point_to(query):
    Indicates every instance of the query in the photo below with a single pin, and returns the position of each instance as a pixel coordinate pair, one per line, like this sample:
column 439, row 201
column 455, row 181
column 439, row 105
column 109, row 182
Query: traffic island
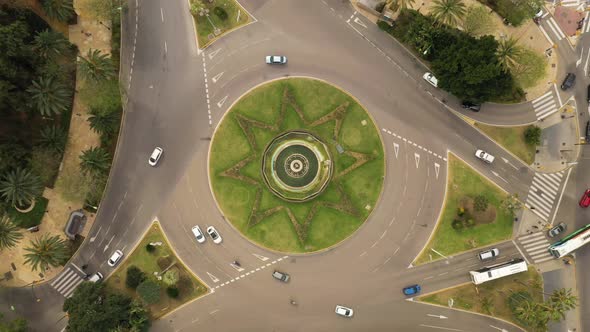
column 214, row 19
column 512, row 139
column 296, row 165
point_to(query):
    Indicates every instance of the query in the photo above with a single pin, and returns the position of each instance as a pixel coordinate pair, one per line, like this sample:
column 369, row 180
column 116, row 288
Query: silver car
column 276, row 59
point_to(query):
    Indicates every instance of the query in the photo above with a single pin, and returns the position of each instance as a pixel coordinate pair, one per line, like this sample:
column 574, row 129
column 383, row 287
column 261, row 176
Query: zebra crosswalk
column 543, row 193
column 67, row 281
column 535, row 245
column 545, row 105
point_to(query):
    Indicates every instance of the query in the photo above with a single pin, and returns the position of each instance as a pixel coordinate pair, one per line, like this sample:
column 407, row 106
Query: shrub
column 469, row 222
column 221, row 13
column 457, row 224
column 481, row 203
column 171, row 277
column 172, row 291
column 461, row 211
column 135, row 276
column 532, row 135
column 164, row 262
column 185, row 284
column 149, row 291
column 385, row 26
column 150, row 248
column 380, row 6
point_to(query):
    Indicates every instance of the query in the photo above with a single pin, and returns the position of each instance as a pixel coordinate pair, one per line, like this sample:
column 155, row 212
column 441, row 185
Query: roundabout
column 305, row 169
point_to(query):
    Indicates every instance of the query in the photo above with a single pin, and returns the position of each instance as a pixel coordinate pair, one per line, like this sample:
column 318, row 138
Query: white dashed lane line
column 243, row 276
column 423, row 148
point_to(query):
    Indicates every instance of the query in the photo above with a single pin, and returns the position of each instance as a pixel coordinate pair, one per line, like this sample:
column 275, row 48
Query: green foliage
column 515, row 12
column 20, row 187
column 197, row 7
column 50, row 96
column 171, row 277
column 457, row 224
column 31, row 218
column 96, row 66
column 562, row 300
column 15, row 325
column 384, row 26
column 150, row 248
column 469, row 222
column 102, row 97
column 401, row 4
column 102, row 10
column 449, row 12
column 164, row 262
column 480, row 203
column 487, row 305
column 508, row 53
column 221, row 13
column 96, row 188
column 9, row 234
column 532, row 135
column 92, row 308
column 12, row 155
column 185, row 285
column 380, row 6
column 61, row 10
column 139, row 317
column 46, row 251
column 53, row 138
column 149, row 291
column 531, row 68
column 95, row 160
column 105, row 124
column 48, row 44
column 45, row 163
column 172, row 291
column 135, row 276
column 478, row 21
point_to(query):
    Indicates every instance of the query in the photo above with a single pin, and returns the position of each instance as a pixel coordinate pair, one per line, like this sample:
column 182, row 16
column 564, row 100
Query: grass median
column 461, row 226
column 218, row 18
column 512, row 139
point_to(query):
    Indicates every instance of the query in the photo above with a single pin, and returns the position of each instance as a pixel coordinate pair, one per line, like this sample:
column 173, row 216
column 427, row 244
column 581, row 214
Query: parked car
column 344, row 311
column 412, row 290
column 556, row 230
column 281, row 276
column 588, row 94
column 588, row 131
column 488, row 158
column 471, row 106
column 155, row 156
column 198, row 234
column 488, row 254
column 276, row 59
column 568, row 82
column 430, row 78
column 585, row 200
column 95, row 277
column 214, row 235
column 115, row 258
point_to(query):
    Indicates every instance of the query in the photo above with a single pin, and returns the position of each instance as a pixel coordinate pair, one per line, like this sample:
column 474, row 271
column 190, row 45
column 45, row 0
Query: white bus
column 571, row 242
column 488, row 273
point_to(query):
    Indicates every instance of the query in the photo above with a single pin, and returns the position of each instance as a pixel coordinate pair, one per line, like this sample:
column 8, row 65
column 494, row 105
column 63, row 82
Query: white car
column 198, row 234
column 488, row 254
column 155, row 156
column 115, row 258
column 344, row 311
column 488, row 158
column 276, row 59
column 214, row 235
column 429, row 77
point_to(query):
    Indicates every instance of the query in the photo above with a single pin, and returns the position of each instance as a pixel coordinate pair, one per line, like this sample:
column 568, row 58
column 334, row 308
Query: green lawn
column 512, row 139
column 31, row 218
column 236, row 16
column 496, row 292
column 148, row 262
column 464, row 182
column 325, row 220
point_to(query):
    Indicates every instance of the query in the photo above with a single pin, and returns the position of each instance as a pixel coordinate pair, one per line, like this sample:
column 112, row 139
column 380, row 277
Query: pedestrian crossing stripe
column 543, row 193
column 66, row 282
column 545, row 105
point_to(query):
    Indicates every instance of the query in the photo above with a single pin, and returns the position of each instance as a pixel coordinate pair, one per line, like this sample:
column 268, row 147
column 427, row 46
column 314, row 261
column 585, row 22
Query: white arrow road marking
column 396, row 149
column 417, row 156
column 506, row 161
column 498, row 328
column 213, row 54
column 236, row 267
column 220, row 103
column 440, row 327
column 217, row 77
column 213, row 278
column 262, row 258
column 436, row 169
column 359, row 22
column 107, row 246
column 437, row 316
column 498, row 175
column 95, row 235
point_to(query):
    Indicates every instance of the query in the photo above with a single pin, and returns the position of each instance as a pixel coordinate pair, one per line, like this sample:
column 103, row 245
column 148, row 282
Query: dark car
column 568, row 82
column 585, row 200
column 556, row 230
column 588, row 132
column 412, row 290
column 588, row 94
column 471, row 106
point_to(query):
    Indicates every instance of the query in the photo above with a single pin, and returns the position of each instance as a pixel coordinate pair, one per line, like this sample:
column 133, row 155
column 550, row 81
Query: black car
column 588, row 94
column 471, row 106
column 588, row 132
column 569, row 81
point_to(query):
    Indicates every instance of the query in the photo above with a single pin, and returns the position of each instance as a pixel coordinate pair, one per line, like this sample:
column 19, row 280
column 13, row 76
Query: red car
column 585, row 200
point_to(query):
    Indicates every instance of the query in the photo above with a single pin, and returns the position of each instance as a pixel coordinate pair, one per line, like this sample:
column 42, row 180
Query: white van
column 95, row 277
column 488, row 254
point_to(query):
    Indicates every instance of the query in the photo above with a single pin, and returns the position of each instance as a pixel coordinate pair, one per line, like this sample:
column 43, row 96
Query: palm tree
column 96, row 66
column 508, row 53
column 103, row 123
column 563, row 300
column 53, row 138
column 61, row 10
column 527, row 312
column 449, row 12
column 50, row 96
column 95, row 159
column 48, row 43
column 487, row 305
column 401, row 4
column 20, row 187
column 46, row 251
column 9, row 233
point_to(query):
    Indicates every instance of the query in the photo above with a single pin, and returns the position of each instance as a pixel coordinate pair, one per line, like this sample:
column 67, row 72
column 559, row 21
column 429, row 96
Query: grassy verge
column 464, row 183
column 357, row 172
column 149, row 262
column 31, row 218
column 512, row 139
column 212, row 26
column 491, row 298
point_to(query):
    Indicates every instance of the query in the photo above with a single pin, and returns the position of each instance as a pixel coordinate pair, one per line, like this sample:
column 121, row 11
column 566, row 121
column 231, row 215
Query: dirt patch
column 480, row 217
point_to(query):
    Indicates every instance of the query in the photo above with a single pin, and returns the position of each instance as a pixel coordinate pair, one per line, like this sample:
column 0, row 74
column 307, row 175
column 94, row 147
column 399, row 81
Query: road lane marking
column 217, row 77
column 439, row 327
column 213, row 278
column 107, row 246
column 162, row 14
column 222, row 101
